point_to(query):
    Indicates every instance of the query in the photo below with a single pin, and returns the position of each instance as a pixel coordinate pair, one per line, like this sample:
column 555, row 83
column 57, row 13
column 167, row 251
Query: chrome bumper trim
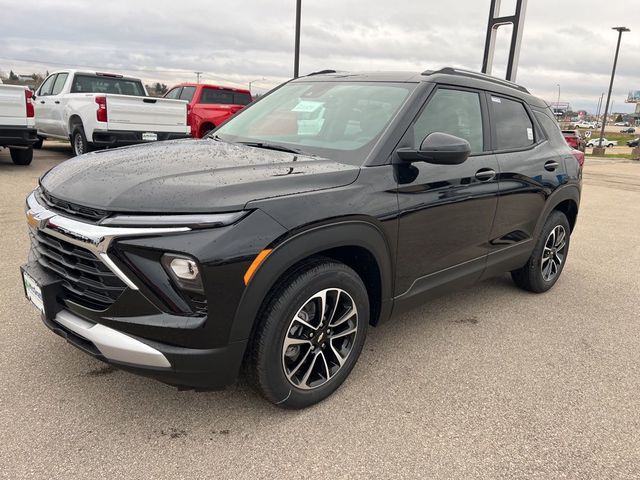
column 113, row 344
column 95, row 238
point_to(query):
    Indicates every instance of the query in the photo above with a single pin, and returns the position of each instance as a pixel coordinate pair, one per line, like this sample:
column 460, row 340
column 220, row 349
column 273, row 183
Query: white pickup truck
column 17, row 132
column 93, row 109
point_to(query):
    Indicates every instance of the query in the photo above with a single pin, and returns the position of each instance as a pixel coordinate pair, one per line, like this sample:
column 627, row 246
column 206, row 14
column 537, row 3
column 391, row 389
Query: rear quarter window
column 552, row 130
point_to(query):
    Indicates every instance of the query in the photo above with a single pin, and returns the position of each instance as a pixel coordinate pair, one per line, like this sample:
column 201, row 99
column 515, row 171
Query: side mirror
column 438, row 148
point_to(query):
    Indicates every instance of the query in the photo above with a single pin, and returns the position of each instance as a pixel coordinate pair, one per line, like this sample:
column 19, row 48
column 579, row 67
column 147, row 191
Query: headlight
column 184, row 271
column 195, row 220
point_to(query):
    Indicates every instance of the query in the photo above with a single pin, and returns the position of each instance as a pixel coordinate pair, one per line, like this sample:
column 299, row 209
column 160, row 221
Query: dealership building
column 634, row 97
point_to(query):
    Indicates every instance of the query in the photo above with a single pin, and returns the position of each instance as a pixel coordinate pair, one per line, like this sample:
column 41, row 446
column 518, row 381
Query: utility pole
column 198, row 76
column 621, row 30
column 599, row 107
column 296, row 54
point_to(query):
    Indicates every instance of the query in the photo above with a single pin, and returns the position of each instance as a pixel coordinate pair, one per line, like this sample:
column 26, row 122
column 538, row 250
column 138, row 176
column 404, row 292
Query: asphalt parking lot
column 489, row 382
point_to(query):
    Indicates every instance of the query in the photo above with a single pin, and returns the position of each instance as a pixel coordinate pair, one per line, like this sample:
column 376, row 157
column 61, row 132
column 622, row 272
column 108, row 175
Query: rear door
column 56, row 102
column 531, row 168
column 446, row 211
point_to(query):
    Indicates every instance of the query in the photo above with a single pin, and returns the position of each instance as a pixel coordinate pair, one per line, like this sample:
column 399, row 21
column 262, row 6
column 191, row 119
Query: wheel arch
column 74, row 120
column 566, row 200
column 359, row 244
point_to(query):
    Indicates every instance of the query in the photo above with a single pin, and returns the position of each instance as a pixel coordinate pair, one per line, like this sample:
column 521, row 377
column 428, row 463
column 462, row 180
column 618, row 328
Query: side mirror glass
column 438, row 148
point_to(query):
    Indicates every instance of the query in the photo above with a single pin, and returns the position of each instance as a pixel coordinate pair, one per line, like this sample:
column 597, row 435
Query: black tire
column 533, row 277
column 38, row 144
column 21, row 156
column 267, row 354
column 79, row 143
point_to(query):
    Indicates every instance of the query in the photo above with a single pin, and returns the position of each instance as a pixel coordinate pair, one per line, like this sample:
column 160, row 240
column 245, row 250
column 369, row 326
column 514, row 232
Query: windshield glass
column 336, row 120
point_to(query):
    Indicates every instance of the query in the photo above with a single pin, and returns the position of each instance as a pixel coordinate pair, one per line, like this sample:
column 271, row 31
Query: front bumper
column 18, row 136
column 117, row 138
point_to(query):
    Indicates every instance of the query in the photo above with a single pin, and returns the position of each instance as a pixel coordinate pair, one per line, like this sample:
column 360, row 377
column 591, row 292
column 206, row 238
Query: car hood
column 190, row 176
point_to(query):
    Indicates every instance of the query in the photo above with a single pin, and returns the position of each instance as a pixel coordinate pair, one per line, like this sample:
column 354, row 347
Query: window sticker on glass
column 530, row 133
column 307, row 106
column 496, row 99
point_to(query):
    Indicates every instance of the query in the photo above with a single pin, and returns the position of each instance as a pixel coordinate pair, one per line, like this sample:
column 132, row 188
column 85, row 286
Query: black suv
column 328, row 205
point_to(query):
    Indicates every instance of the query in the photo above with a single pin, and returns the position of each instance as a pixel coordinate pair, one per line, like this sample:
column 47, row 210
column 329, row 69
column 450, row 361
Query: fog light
column 184, row 268
column 184, row 271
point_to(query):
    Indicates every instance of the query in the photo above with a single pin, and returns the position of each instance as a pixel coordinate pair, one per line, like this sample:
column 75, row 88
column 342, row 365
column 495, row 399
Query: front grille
column 75, row 210
column 86, row 280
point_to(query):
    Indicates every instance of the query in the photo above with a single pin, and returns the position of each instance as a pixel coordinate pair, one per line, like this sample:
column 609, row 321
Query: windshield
column 336, row 120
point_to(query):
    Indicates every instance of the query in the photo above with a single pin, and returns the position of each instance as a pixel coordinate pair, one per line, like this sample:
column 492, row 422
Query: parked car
column 633, row 143
column 585, row 124
column 209, row 105
column 594, row 142
column 574, row 139
column 181, row 260
column 17, row 126
column 621, row 124
column 628, row 130
column 93, row 109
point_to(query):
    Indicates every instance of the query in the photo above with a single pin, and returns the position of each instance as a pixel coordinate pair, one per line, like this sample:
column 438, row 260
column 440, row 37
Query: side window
column 456, row 112
column 47, row 85
column 174, row 94
column 187, row 93
column 551, row 129
column 58, row 85
column 220, row 97
column 514, row 128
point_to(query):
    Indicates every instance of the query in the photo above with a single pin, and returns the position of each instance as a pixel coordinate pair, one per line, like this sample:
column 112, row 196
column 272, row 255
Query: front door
column 43, row 105
column 446, row 211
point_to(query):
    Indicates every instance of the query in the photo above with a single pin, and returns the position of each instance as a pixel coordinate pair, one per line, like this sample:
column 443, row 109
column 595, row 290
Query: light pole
column 620, row 30
column 198, row 76
column 296, row 53
column 558, row 102
column 598, row 110
column 253, row 81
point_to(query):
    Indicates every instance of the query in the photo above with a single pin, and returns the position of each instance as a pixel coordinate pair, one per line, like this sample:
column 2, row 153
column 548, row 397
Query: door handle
column 485, row 174
column 42, row 101
column 551, row 165
column 57, row 102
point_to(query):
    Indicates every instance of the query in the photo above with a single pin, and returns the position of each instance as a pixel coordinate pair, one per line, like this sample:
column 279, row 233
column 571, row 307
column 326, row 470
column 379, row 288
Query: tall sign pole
column 620, row 30
column 296, row 55
column 495, row 22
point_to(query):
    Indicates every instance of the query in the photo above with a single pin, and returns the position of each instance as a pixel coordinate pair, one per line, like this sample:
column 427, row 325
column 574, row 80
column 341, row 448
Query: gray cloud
column 234, row 42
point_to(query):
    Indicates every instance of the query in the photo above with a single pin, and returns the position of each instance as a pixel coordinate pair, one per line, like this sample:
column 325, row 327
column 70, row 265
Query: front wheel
column 21, row 156
column 310, row 334
column 548, row 258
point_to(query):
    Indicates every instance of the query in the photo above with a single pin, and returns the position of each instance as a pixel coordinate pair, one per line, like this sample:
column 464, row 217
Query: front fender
column 294, row 248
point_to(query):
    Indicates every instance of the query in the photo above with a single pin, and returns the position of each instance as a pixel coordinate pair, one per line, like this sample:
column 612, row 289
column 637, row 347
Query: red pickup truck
column 209, row 105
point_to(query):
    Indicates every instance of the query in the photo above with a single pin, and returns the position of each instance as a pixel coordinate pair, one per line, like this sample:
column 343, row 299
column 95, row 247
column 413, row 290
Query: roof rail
column 478, row 75
column 321, row 72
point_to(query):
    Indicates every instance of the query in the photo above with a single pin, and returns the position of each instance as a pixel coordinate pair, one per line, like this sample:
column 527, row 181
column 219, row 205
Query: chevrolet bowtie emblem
column 38, row 220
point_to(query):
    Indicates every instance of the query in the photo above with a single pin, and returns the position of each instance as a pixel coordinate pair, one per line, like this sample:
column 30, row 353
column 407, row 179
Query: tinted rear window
column 514, row 128
column 187, row 93
column 552, row 129
column 224, row 97
column 99, row 84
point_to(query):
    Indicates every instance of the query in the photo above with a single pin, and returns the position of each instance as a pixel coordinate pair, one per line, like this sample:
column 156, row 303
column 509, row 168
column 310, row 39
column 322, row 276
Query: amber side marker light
column 255, row 265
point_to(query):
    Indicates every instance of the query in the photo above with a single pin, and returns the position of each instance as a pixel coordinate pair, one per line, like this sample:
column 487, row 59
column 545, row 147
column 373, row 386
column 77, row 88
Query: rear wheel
column 21, row 156
column 548, row 258
column 310, row 334
column 79, row 143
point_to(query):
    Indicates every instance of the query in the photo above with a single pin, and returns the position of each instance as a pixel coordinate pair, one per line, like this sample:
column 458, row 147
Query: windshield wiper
column 275, row 146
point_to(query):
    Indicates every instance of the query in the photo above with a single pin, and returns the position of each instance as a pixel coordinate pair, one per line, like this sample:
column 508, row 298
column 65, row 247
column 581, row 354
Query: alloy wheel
column 78, row 144
column 554, row 253
column 320, row 338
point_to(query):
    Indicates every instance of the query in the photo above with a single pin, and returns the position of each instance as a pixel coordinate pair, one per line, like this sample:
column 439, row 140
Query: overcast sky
column 565, row 42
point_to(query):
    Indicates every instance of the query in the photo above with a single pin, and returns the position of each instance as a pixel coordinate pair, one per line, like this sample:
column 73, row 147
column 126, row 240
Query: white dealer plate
column 149, row 137
column 33, row 291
